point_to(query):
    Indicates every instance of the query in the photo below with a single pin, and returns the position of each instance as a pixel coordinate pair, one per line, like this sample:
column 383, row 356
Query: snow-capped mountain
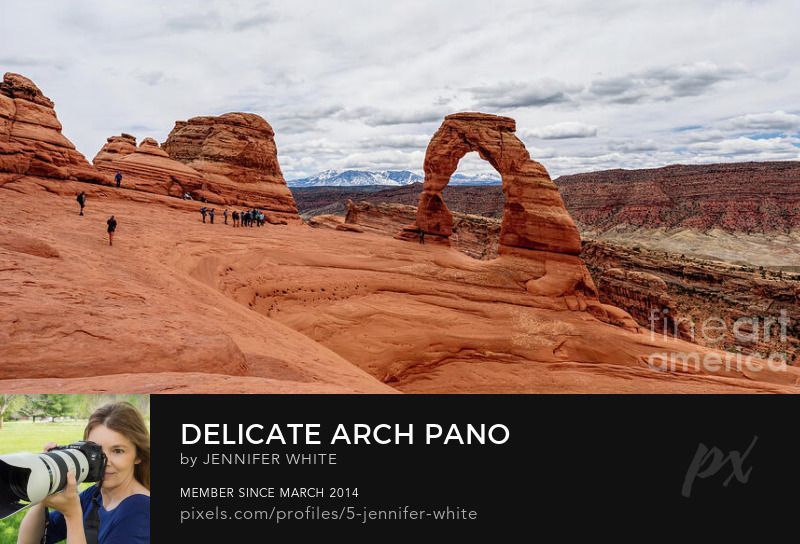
column 356, row 178
column 475, row 179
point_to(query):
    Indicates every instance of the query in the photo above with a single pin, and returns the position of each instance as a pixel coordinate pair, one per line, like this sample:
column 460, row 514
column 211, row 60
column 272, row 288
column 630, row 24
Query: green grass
column 16, row 436
column 27, row 436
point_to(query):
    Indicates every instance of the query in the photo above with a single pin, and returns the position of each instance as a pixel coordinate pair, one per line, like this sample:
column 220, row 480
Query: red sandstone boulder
column 31, row 142
column 238, row 159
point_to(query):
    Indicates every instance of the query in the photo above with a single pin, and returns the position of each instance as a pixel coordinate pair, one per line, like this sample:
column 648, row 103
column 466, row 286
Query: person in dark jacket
column 112, row 228
column 118, row 178
column 203, row 213
column 225, row 215
column 211, row 215
column 82, row 200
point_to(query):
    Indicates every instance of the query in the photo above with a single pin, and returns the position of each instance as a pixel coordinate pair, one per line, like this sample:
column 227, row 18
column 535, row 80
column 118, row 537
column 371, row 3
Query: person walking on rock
column 203, row 213
column 235, row 217
column 422, row 236
column 82, row 200
column 225, row 215
column 118, row 179
column 112, row 227
column 211, row 215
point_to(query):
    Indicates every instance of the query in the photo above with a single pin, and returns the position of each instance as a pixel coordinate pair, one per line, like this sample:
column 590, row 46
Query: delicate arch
column 534, row 216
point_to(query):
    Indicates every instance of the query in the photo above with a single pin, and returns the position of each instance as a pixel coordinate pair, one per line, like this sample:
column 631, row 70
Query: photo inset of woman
column 113, row 511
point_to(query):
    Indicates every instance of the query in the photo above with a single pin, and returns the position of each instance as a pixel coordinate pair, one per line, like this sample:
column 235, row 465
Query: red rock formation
column 685, row 293
column 201, row 308
column 116, row 147
column 534, row 216
column 535, row 224
column 737, row 197
column 31, row 142
column 473, row 235
column 149, row 168
column 237, row 156
column 486, row 201
column 643, row 295
column 325, row 221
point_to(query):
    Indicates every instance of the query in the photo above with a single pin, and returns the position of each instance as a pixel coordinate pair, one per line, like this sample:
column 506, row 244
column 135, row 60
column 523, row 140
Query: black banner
column 464, row 465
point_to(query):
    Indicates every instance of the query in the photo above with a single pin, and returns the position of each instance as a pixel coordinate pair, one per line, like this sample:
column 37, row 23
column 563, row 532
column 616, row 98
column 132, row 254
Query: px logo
column 708, row 462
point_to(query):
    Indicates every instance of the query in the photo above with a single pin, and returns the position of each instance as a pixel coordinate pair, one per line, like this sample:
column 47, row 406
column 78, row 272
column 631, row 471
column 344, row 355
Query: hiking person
column 225, row 215
column 118, row 179
column 235, row 216
column 211, row 215
column 82, row 200
column 203, row 213
column 112, row 227
column 421, row 236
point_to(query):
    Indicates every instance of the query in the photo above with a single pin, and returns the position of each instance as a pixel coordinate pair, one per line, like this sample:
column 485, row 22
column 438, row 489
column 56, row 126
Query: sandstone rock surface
column 473, row 235
column 115, row 147
column 238, row 159
column 535, row 224
column 31, row 142
column 201, row 308
column 534, row 216
column 148, row 168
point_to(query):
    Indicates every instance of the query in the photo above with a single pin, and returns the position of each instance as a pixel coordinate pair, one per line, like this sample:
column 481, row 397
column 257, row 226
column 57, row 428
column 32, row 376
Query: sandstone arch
column 534, row 216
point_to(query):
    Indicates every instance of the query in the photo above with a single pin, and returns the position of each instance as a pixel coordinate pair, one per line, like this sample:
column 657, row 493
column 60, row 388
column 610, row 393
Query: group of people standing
column 250, row 218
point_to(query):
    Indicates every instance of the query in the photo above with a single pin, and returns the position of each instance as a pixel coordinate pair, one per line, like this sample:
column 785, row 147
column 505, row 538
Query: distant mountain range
column 360, row 178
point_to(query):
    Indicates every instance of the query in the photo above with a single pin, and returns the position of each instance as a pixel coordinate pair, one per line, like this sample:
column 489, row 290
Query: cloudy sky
column 364, row 85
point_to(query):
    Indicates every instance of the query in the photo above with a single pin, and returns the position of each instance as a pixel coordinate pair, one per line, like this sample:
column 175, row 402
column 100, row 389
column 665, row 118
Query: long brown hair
column 123, row 418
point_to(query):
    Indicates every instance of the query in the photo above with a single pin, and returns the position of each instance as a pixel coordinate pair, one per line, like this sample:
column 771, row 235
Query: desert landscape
column 510, row 303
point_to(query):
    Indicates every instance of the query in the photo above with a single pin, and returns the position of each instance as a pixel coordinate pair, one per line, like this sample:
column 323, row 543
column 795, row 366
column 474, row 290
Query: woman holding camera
column 116, row 510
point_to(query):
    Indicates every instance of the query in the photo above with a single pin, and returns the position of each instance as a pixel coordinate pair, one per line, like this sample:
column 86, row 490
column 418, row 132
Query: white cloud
column 562, row 131
column 778, row 120
column 773, row 147
column 345, row 84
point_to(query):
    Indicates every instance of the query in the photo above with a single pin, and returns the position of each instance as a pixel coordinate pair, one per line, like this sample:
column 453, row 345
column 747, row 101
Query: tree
column 51, row 406
column 8, row 404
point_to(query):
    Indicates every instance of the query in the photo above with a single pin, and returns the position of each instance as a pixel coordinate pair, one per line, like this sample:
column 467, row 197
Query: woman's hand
column 68, row 501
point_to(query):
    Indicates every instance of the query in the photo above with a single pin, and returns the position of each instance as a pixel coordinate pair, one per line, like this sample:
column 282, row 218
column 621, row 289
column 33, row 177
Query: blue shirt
column 128, row 523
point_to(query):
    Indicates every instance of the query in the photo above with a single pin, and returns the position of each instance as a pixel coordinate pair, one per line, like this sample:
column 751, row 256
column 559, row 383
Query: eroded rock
column 534, row 216
column 238, row 159
column 31, row 142
column 148, row 168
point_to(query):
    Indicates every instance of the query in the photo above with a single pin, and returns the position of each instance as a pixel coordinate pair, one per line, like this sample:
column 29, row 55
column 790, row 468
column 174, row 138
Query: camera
column 31, row 477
